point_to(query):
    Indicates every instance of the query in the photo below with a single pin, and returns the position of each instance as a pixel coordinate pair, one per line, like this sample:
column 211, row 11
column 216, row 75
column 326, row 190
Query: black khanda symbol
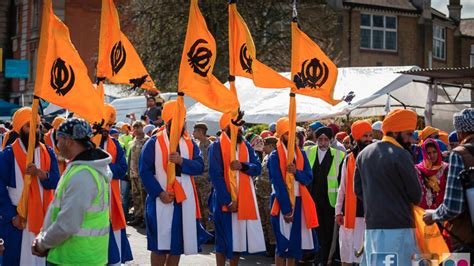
column 199, row 58
column 245, row 59
column 118, row 56
column 313, row 74
column 62, row 79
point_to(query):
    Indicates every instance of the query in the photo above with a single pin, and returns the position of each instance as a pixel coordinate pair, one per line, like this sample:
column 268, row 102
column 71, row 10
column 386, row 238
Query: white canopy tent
column 375, row 90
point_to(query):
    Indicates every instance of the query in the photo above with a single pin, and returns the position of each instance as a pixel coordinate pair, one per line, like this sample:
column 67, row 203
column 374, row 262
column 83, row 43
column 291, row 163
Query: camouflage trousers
column 203, row 188
column 264, row 210
column 138, row 197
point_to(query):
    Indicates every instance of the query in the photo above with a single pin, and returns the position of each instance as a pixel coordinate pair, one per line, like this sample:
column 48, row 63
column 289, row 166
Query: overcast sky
column 467, row 7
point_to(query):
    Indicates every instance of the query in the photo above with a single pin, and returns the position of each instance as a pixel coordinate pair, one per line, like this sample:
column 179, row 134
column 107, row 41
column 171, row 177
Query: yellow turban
column 21, row 117
column 399, row 120
column 428, row 131
column 110, row 114
column 282, row 126
column 225, row 120
column 58, row 120
column 169, row 108
column 359, row 128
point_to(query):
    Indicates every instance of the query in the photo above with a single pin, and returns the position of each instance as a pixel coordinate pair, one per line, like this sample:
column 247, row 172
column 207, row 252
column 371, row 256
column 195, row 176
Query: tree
column 157, row 28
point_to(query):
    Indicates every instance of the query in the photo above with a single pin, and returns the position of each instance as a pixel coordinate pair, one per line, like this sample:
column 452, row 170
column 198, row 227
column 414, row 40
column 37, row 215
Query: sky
column 467, row 10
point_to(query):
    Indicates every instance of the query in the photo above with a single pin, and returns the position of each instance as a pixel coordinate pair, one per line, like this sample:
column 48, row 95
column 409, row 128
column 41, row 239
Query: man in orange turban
column 17, row 232
column 386, row 181
column 350, row 209
column 172, row 206
column 292, row 217
column 235, row 206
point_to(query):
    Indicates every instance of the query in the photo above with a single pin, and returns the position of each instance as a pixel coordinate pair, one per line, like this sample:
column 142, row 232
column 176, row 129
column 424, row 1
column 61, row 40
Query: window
column 35, row 16
column 471, row 56
column 439, row 42
column 378, row 32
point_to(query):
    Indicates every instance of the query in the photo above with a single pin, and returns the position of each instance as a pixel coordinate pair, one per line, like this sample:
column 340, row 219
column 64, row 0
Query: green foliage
column 257, row 128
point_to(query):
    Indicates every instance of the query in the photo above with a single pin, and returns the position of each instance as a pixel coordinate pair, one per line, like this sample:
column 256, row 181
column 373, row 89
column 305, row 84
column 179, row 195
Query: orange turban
column 169, row 108
column 399, row 120
column 21, row 117
column 359, row 128
column 126, row 125
column 225, row 120
column 110, row 114
column 428, row 131
column 340, row 136
column 282, row 126
column 444, row 137
column 58, row 120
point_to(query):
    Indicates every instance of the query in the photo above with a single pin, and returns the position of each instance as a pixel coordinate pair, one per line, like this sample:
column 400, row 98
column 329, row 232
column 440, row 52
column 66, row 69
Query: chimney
column 454, row 8
column 424, row 6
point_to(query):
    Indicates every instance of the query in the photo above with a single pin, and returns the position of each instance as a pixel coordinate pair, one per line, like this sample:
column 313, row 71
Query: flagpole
column 22, row 207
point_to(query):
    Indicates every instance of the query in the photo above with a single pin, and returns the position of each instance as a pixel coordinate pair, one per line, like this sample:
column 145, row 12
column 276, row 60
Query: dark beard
column 24, row 137
column 239, row 135
column 405, row 145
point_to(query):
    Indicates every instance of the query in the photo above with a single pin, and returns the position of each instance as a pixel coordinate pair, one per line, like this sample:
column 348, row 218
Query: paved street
column 141, row 255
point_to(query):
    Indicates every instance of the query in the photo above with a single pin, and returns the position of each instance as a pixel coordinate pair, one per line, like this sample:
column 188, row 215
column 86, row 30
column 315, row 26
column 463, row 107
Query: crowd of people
column 346, row 195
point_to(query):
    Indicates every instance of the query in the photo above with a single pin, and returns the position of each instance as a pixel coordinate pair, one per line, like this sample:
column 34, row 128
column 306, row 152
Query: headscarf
column 429, row 169
column 377, row 126
column 110, row 114
column 169, row 108
column 315, row 125
column 324, row 130
column 225, row 120
column 20, row 118
column 453, row 137
column 464, row 120
column 335, row 128
column 359, row 128
column 57, row 121
column 399, row 120
column 77, row 129
column 341, row 136
column 256, row 142
column 427, row 132
column 272, row 127
column 282, row 126
column 266, row 133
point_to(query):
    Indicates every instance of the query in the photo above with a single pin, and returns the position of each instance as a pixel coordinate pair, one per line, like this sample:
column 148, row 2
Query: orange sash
column 307, row 203
column 116, row 211
column 36, row 208
column 246, row 206
column 350, row 206
column 48, row 140
column 176, row 187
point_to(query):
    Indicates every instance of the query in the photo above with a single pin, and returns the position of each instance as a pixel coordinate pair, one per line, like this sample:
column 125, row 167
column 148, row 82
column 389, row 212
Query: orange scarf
column 392, row 140
column 5, row 139
column 176, row 187
column 116, row 211
column 245, row 200
column 36, row 208
column 48, row 140
column 307, row 203
column 350, row 206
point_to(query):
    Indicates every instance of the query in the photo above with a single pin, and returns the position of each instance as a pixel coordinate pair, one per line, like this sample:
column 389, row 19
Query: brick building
column 404, row 32
column 19, row 37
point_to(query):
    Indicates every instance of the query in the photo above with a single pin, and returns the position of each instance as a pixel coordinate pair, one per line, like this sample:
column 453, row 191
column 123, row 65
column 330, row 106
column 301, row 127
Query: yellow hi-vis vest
column 89, row 246
column 338, row 157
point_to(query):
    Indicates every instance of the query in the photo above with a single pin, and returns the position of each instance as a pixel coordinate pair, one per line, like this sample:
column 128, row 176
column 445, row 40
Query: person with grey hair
column 454, row 207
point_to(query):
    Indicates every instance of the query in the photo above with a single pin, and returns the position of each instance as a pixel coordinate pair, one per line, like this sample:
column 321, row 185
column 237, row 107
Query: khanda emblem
column 118, row 56
column 313, row 74
column 199, row 57
column 62, row 78
column 245, row 59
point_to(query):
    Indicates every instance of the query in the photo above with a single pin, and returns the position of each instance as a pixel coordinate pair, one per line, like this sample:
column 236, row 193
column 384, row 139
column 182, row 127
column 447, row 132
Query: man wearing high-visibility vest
column 76, row 226
column 325, row 163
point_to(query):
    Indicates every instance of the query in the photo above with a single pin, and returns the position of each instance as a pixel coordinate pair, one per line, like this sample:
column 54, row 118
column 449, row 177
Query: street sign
column 17, row 68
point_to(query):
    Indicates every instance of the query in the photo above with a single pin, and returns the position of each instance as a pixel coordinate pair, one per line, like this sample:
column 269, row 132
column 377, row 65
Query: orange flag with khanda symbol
column 197, row 61
column 118, row 60
column 313, row 73
column 61, row 75
column 243, row 60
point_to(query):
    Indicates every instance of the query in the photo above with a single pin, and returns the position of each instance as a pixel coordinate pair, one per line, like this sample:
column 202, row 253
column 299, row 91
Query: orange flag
column 243, row 59
column 313, row 73
column 118, row 60
column 197, row 61
column 61, row 76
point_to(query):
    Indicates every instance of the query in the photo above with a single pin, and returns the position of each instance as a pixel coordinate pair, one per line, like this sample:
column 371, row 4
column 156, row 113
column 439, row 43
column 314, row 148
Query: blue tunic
column 194, row 167
column 10, row 234
column 289, row 248
column 119, row 170
column 221, row 197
